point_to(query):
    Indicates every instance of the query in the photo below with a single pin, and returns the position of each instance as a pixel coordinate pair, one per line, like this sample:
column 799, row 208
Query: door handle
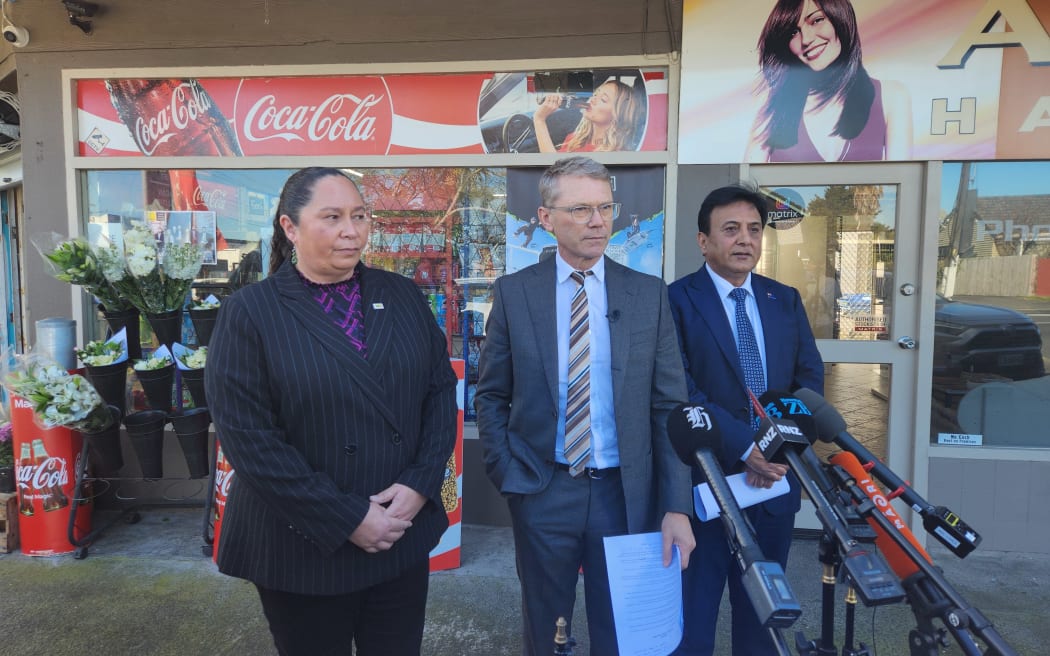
column 906, row 343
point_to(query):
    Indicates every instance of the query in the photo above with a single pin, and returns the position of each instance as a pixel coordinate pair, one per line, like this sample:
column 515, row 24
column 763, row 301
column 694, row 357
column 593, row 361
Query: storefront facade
column 433, row 110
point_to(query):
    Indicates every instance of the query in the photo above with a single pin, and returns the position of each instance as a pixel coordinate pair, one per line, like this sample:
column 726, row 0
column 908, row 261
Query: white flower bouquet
column 73, row 261
column 210, row 303
column 100, row 353
column 153, row 278
column 190, row 359
column 58, row 397
column 153, row 362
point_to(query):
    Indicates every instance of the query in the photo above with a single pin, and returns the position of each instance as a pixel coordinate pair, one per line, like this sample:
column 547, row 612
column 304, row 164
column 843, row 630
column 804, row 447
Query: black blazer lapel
column 704, row 296
column 309, row 315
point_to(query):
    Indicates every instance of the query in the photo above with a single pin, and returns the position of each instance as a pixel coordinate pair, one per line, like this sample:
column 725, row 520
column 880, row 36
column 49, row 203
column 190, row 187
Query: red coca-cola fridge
column 45, row 469
column 223, row 478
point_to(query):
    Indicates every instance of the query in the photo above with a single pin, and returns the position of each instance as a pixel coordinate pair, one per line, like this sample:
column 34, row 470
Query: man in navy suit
column 564, row 500
column 731, row 221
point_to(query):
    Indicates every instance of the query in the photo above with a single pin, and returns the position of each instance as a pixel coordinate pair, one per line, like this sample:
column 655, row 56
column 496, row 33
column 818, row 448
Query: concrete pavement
column 145, row 589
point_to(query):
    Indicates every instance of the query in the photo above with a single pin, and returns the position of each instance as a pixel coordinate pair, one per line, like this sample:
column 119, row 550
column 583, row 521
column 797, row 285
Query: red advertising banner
column 586, row 111
column 789, row 80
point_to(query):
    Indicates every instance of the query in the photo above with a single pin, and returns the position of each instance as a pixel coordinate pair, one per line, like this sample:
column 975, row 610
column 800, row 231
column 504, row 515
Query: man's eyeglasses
column 583, row 213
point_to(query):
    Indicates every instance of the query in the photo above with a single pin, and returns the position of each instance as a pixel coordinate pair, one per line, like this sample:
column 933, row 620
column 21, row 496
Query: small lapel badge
column 377, row 306
column 771, row 296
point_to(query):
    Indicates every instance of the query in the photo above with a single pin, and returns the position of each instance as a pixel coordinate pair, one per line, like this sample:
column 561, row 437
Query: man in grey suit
column 578, row 373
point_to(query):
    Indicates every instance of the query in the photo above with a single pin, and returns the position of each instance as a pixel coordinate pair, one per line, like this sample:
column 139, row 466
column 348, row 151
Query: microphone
column 780, row 440
column 613, row 316
column 939, row 521
column 902, row 564
column 696, row 440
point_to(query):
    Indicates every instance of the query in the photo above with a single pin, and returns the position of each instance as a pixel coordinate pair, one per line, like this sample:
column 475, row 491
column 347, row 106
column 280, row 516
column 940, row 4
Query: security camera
column 16, row 36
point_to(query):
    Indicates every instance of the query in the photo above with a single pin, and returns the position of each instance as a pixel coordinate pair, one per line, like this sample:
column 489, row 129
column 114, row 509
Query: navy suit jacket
column 312, row 429
column 712, row 363
column 517, row 394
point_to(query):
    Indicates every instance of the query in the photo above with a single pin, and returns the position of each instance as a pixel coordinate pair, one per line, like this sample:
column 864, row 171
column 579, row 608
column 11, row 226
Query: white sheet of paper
column 746, row 495
column 646, row 596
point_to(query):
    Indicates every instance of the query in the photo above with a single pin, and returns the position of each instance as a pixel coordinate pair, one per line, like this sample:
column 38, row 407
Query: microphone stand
column 863, row 568
column 829, row 556
column 929, row 593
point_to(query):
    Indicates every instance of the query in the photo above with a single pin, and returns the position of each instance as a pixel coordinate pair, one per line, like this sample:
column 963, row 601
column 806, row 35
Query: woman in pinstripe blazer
column 332, row 394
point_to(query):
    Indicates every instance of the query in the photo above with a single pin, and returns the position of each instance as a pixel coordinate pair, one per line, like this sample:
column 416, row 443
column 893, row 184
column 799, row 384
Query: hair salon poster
column 637, row 233
column 839, row 81
column 591, row 110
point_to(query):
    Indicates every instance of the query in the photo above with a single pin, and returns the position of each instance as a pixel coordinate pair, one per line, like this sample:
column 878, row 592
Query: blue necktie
column 747, row 347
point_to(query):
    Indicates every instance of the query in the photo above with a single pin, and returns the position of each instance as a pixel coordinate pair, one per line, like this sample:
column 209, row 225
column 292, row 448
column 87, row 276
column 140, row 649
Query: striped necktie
column 578, row 397
column 747, row 348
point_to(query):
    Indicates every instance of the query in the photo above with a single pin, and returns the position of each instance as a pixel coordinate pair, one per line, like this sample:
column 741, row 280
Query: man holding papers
column 739, row 332
column 579, row 371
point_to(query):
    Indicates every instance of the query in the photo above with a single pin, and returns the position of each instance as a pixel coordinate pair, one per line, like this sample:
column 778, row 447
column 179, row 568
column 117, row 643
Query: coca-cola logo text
column 213, row 200
column 340, row 117
column 49, row 474
column 188, row 102
column 223, row 477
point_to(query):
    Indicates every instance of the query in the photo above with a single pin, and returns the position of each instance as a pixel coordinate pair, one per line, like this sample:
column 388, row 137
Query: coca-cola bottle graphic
column 173, row 117
column 24, row 474
column 54, row 497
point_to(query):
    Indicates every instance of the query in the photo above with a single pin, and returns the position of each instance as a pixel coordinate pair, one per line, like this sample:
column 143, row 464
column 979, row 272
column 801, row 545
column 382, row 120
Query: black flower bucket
column 146, row 431
column 167, row 326
column 157, row 384
column 104, row 453
column 191, row 427
column 194, row 379
column 128, row 320
column 203, row 323
column 110, row 381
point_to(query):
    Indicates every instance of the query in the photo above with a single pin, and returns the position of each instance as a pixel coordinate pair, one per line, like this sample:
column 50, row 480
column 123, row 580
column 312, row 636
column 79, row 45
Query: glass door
column 849, row 237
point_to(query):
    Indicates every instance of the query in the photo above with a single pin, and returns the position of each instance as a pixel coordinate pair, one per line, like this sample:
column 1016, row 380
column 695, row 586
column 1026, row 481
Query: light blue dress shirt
column 724, row 287
column 604, row 449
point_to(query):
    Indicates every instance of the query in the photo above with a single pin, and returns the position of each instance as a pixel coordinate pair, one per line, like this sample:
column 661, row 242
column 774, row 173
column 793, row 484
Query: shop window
column 993, row 302
column 836, row 244
column 453, row 231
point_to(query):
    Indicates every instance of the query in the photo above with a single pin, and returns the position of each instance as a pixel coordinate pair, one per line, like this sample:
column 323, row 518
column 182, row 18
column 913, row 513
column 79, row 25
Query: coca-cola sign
column 188, row 103
column 404, row 114
column 50, row 473
column 217, row 197
column 324, row 116
column 223, row 478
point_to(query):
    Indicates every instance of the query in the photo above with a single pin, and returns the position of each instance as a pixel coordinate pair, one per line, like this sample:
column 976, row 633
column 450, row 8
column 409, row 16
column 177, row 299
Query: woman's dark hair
column 297, row 192
column 727, row 196
column 788, row 81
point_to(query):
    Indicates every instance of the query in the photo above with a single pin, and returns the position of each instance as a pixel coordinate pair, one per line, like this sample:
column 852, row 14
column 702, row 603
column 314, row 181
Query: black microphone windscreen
column 829, row 422
column 689, row 428
column 788, row 406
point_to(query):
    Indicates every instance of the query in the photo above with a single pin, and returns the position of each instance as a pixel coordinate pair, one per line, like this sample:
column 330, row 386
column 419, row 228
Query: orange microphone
column 900, row 562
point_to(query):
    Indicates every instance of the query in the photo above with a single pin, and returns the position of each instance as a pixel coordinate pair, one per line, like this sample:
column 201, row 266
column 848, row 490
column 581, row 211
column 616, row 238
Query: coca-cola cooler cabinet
column 446, row 555
column 46, row 462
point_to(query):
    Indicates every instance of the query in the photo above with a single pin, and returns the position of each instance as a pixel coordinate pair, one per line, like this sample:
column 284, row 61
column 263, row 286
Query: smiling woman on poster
column 821, row 104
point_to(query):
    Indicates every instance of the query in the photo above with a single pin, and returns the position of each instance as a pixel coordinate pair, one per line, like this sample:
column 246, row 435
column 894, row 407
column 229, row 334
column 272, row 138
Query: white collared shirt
column 724, row 288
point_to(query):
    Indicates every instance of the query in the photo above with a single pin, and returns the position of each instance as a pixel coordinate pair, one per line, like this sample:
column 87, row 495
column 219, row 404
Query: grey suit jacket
column 517, row 394
column 312, row 429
